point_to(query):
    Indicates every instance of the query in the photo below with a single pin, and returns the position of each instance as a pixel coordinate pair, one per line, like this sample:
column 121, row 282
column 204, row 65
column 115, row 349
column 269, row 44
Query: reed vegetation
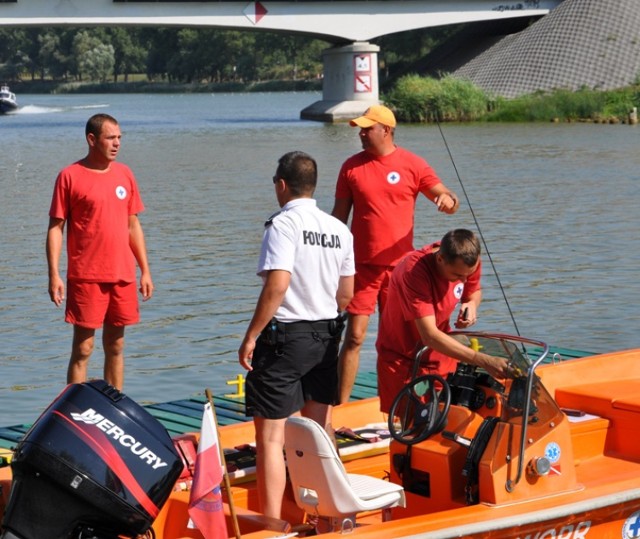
column 425, row 99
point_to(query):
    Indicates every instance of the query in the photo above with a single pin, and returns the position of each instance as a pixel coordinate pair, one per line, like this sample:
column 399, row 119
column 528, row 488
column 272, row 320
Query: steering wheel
column 421, row 409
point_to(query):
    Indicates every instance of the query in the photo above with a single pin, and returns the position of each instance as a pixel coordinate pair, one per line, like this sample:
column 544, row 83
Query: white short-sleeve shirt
column 317, row 249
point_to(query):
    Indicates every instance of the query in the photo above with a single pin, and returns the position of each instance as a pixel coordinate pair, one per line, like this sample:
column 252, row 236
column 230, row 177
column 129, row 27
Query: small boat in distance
column 8, row 101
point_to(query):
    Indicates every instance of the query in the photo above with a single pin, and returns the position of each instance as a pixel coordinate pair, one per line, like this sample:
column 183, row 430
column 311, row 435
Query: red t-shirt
column 384, row 191
column 416, row 290
column 97, row 206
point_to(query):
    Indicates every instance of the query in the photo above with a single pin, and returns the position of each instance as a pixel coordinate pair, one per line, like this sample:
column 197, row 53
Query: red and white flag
column 205, row 501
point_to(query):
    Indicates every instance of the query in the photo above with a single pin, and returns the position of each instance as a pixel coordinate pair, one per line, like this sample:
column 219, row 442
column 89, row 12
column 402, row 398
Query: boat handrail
column 510, row 485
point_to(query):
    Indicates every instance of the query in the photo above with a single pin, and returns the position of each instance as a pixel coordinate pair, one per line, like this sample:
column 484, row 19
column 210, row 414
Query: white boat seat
column 321, row 485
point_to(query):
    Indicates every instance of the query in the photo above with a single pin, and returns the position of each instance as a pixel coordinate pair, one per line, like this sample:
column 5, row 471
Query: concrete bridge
column 350, row 82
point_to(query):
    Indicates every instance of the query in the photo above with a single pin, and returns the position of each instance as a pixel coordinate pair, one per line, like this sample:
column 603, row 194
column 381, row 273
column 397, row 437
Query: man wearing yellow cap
column 381, row 184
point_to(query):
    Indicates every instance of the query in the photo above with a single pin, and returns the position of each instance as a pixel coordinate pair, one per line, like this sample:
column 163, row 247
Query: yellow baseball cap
column 376, row 114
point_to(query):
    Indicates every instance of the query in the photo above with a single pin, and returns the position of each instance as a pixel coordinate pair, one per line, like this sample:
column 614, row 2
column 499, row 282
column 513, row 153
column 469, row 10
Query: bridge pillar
column 350, row 83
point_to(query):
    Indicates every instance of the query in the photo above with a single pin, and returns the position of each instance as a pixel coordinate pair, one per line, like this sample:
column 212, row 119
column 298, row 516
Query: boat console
column 472, row 439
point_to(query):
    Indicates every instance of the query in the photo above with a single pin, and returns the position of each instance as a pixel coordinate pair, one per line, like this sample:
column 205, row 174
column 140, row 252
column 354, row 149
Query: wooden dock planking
column 185, row 415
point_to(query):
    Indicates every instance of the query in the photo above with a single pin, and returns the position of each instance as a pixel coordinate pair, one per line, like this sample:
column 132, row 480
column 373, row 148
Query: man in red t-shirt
column 424, row 290
column 99, row 200
column 381, row 184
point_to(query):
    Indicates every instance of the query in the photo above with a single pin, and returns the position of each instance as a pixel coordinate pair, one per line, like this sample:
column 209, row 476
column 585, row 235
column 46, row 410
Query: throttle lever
column 466, row 442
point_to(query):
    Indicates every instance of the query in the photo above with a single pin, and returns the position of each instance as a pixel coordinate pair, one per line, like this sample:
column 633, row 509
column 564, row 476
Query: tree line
column 181, row 55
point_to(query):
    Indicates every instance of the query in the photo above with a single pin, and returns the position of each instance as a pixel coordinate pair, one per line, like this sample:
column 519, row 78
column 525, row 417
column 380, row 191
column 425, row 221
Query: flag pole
column 227, row 482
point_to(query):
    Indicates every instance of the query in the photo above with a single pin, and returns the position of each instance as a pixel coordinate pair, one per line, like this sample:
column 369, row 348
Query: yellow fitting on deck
column 475, row 344
column 239, row 381
column 5, row 457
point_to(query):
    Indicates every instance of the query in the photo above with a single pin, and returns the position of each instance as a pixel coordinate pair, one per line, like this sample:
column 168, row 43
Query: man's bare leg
column 270, row 467
column 349, row 358
column 81, row 349
column 113, row 344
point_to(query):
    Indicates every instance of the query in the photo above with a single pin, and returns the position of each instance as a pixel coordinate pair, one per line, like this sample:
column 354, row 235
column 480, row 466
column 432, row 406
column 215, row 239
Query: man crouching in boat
column 291, row 345
column 424, row 290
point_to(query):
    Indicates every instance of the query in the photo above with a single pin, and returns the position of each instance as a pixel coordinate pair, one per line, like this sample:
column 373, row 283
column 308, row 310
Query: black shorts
column 290, row 368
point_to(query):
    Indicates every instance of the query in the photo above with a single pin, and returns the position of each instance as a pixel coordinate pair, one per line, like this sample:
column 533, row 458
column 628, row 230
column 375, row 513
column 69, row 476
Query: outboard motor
column 95, row 465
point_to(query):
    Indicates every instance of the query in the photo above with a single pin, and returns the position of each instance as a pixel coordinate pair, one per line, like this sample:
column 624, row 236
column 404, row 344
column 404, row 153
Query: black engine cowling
column 94, row 464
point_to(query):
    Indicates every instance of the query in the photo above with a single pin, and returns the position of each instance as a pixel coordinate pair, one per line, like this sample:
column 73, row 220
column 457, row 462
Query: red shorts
column 91, row 305
column 370, row 289
column 394, row 373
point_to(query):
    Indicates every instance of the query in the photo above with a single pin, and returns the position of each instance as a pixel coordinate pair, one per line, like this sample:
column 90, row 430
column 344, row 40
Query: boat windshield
column 524, row 396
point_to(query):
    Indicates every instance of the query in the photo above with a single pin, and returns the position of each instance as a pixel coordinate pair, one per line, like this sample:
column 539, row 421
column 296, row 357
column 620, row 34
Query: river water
column 557, row 205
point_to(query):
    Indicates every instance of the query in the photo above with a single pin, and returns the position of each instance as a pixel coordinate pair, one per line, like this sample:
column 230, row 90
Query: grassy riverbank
column 148, row 87
column 420, row 99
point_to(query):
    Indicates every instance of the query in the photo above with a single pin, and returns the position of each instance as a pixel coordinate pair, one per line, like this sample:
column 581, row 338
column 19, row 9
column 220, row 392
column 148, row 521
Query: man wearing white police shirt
column 291, row 345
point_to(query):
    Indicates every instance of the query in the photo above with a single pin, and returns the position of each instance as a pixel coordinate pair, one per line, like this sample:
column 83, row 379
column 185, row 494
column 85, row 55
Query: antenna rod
column 473, row 214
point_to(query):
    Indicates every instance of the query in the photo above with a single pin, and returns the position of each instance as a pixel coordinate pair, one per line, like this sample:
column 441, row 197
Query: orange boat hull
column 593, row 492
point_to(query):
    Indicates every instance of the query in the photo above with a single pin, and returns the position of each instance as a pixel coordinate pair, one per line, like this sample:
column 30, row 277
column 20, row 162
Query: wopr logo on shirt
column 393, row 177
column 121, row 192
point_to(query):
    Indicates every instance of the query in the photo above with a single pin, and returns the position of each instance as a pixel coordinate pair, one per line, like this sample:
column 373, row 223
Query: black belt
column 304, row 326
